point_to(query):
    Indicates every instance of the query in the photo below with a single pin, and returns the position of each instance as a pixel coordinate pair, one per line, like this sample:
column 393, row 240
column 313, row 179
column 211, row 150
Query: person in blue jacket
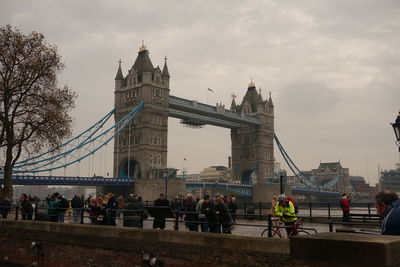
column 387, row 204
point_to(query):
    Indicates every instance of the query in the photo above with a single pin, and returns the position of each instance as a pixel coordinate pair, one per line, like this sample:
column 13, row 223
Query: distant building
column 328, row 171
column 390, row 179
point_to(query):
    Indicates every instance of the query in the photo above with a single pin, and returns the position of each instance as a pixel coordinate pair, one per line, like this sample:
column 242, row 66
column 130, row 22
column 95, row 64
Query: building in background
column 390, row 179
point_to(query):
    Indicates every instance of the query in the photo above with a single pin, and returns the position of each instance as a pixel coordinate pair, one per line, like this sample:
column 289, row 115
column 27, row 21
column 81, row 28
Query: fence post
column 329, row 211
column 310, row 211
column 259, row 207
column 330, row 226
column 369, row 209
column 269, row 225
column 16, row 212
column 176, row 227
column 245, row 210
column 82, row 211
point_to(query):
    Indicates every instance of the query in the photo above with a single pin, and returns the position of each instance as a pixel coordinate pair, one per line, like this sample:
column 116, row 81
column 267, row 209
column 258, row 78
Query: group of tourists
column 211, row 215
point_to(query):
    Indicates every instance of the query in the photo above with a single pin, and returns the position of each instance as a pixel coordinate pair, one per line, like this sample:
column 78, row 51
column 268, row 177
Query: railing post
column 330, row 226
column 369, row 209
column 82, row 211
column 176, row 227
column 310, row 211
column 329, row 211
column 245, row 210
column 16, row 212
column 269, row 225
column 259, row 207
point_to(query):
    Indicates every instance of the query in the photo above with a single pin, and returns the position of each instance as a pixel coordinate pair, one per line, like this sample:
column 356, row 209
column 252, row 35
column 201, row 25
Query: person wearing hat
column 285, row 210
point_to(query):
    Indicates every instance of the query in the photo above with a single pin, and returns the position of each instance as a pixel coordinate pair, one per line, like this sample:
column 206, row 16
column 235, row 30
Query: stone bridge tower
column 141, row 149
column 253, row 147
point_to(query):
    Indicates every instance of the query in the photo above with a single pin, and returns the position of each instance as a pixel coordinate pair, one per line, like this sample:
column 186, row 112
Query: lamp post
column 396, row 128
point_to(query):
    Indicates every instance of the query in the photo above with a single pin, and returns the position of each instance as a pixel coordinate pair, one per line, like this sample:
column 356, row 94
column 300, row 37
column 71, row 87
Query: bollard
column 330, row 226
column 329, row 211
column 16, row 212
column 310, row 211
column 82, row 211
column 269, row 225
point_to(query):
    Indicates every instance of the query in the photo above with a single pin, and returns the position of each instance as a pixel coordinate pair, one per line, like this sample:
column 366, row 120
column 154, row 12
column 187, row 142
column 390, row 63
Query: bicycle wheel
column 302, row 232
column 264, row 233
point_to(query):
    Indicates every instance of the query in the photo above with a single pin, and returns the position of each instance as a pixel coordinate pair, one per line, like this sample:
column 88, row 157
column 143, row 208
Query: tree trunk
column 7, row 188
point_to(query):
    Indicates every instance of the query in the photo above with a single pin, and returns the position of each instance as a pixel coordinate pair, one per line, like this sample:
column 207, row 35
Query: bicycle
column 296, row 231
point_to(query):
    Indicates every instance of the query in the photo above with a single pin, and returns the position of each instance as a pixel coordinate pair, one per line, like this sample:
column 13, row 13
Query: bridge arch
column 129, row 168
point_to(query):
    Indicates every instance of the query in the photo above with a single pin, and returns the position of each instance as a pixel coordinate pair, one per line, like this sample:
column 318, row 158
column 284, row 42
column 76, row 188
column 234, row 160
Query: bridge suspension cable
column 90, row 145
column 301, row 176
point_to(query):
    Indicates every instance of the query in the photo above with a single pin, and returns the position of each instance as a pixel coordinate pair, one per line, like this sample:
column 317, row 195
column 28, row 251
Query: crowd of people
column 214, row 215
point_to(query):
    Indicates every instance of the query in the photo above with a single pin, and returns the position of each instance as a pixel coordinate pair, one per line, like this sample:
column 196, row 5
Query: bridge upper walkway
column 68, row 180
column 193, row 112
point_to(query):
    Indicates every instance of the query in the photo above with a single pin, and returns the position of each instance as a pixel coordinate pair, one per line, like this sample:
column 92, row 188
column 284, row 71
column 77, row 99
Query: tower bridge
column 142, row 106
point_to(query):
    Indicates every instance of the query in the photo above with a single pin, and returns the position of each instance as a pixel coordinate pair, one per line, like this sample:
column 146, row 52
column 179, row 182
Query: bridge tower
column 252, row 147
column 142, row 147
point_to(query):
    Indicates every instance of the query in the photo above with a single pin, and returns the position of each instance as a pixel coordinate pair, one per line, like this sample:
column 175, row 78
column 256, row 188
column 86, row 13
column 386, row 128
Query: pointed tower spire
column 165, row 72
column 233, row 104
column 119, row 75
column 259, row 95
column 270, row 100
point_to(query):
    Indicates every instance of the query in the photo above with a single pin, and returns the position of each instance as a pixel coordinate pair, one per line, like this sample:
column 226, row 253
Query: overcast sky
column 333, row 68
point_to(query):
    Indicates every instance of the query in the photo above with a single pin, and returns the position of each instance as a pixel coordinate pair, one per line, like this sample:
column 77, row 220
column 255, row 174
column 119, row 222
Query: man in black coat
column 159, row 221
column 208, row 209
column 76, row 205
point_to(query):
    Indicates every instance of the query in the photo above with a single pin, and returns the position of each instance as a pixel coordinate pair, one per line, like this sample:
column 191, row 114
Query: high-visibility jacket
column 286, row 212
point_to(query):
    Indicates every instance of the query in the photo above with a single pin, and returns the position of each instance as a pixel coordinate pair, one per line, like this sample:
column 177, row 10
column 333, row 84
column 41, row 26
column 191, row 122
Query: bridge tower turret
column 141, row 148
column 252, row 147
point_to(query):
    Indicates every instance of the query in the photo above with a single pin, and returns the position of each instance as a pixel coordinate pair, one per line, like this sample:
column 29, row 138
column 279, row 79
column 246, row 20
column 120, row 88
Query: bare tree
column 33, row 108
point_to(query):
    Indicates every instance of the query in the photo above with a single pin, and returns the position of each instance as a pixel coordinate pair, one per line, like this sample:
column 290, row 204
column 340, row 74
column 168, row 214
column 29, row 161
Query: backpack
column 64, row 204
column 296, row 209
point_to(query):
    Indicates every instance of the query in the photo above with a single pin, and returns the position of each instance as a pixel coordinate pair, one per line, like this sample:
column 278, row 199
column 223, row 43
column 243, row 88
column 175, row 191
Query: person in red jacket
column 344, row 204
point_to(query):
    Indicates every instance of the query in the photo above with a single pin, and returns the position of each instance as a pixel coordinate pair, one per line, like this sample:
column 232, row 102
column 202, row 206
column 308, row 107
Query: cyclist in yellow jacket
column 285, row 210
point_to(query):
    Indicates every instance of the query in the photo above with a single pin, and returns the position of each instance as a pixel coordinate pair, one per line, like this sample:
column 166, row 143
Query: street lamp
column 396, row 128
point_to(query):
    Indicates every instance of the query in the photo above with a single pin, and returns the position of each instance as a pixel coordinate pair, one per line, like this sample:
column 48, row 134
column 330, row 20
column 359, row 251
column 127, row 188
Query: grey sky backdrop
column 333, row 68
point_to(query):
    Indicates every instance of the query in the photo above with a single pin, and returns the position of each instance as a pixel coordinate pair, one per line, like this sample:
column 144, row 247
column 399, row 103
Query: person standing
column 344, row 204
column 208, row 209
column 132, row 213
column 233, row 208
column 223, row 216
column 63, row 205
column 111, row 208
column 76, row 205
column 26, row 207
column 159, row 221
column 387, row 205
column 52, row 208
column 190, row 215
column 273, row 205
column 5, row 207
column 202, row 217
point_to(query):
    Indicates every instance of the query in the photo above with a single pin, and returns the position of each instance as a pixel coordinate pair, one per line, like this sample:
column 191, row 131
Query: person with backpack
column 296, row 209
column 285, row 210
column 26, row 207
column 345, row 205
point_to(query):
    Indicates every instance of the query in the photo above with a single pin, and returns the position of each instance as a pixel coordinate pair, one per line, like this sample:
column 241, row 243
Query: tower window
column 139, row 78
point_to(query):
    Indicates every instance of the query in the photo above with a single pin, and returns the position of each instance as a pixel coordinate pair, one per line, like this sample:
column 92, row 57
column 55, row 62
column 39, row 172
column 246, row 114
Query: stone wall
column 91, row 245
column 88, row 245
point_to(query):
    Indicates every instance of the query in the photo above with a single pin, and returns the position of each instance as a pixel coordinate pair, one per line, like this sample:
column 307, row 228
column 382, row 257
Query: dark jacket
column 210, row 213
column 190, row 212
column 5, row 206
column 224, row 217
column 232, row 207
column 112, row 207
column 76, row 203
column 26, row 207
column 159, row 221
column 391, row 219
